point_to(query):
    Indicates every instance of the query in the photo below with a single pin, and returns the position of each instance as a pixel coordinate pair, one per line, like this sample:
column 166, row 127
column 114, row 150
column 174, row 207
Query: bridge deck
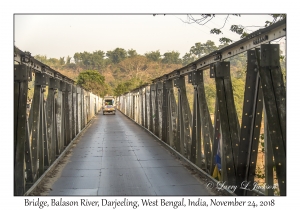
column 114, row 156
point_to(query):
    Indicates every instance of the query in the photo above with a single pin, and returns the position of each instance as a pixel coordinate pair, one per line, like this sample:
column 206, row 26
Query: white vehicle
column 109, row 105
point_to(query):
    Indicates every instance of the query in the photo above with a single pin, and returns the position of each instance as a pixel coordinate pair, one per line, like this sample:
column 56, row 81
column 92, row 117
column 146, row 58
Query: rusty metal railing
column 48, row 120
column 164, row 108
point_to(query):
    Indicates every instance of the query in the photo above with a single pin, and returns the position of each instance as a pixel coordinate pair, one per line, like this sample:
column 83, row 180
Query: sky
column 63, row 35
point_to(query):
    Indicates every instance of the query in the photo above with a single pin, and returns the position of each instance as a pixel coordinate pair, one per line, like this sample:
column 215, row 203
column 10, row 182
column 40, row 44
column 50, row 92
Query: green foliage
column 188, row 58
column 127, row 86
column 134, row 66
column 62, row 61
column 237, row 29
column 201, row 49
column 276, row 17
column 117, row 55
column 53, row 62
column 41, row 58
column 225, row 40
column 215, row 31
column 171, row 57
column 238, row 86
column 92, row 80
column 132, row 53
column 93, row 60
column 153, row 56
column 244, row 35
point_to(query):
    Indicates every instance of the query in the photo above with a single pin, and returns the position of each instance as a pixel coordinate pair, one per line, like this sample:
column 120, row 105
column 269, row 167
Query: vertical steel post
column 194, row 78
column 21, row 75
column 67, row 108
column 74, row 111
column 142, row 110
column 275, row 105
column 184, row 118
column 152, row 107
column 229, row 121
column 147, row 107
column 217, row 137
column 269, row 163
column 206, row 124
column 251, row 123
column 41, row 81
column 165, row 114
column 158, row 109
column 172, row 114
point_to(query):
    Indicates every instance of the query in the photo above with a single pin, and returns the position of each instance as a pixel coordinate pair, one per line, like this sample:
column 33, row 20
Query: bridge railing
column 50, row 110
column 226, row 146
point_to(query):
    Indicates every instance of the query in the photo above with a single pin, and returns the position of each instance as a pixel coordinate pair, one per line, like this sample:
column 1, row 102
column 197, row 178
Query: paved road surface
column 115, row 157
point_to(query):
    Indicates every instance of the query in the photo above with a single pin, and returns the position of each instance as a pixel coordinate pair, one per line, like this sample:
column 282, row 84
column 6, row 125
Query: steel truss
column 193, row 134
column 42, row 132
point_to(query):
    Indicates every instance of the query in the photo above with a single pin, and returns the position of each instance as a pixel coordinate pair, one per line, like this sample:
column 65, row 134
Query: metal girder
column 251, row 124
column 184, row 120
column 42, row 139
column 20, row 131
column 206, row 124
column 142, row 94
column 158, row 109
column 217, row 136
column 269, row 175
column 275, row 106
column 36, row 66
column 147, row 107
column 229, row 123
column 201, row 124
column 41, row 79
column 42, row 130
column 165, row 113
column 22, row 73
column 74, row 111
column 59, row 122
column 152, row 107
column 196, row 129
column 238, row 145
column 262, row 36
column 171, row 115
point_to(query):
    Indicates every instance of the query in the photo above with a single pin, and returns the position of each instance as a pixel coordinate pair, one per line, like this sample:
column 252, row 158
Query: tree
column 93, row 60
column 134, row 66
column 131, row 53
column 238, row 29
column 188, row 58
column 153, row 56
column 97, row 59
column 68, row 60
column 127, row 86
column 41, row 58
column 77, row 58
column 117, row 55
column 171, row 57
column 92, row 80
column 62, row 61
column 200, row 49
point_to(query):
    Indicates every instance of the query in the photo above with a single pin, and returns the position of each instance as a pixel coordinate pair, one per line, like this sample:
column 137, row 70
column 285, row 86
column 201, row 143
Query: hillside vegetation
column 118, row 71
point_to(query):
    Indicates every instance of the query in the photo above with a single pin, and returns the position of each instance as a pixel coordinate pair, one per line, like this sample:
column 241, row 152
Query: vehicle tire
column 103, row 113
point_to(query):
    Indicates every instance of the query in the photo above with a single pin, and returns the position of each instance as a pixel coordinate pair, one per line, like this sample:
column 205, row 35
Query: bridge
column 159, row 142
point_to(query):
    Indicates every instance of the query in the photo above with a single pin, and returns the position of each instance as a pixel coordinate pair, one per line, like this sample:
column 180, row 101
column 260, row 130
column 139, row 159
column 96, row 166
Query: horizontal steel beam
column 37, row 66
column 255, row 39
